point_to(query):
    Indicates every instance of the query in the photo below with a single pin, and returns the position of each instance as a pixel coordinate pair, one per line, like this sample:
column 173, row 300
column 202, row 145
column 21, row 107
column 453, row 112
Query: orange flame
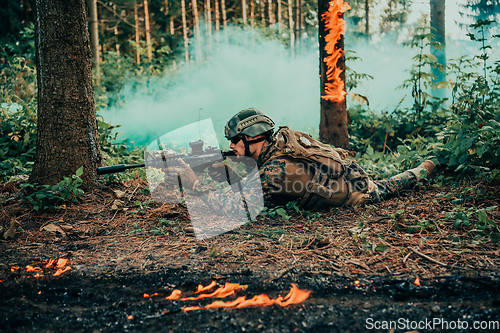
column 228, row 290
column 295, row 296
column 417, row 281
column 334, row 88
column 62, row 270
column 50, row 263
column 176, row 294
column 210, row 286
column 60, row 265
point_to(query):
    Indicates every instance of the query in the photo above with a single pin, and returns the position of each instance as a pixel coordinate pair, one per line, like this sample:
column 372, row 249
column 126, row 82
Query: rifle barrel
column 118, row 168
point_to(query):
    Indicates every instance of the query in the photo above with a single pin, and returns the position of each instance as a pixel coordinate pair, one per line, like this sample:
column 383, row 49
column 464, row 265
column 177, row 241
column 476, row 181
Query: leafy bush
column 44, row 197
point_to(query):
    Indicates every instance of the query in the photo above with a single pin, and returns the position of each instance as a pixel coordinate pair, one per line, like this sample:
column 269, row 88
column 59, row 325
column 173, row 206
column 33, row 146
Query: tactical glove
column 182, row 171
column 221, row 172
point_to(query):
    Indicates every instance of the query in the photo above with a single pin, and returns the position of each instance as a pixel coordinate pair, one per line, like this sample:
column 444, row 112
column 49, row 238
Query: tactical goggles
column 235, row 140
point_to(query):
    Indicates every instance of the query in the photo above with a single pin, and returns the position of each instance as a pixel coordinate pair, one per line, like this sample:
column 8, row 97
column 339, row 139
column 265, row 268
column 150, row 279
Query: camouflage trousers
column 391, row 187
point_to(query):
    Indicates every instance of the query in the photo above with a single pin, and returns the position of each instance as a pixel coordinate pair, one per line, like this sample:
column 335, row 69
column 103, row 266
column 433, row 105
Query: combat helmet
column 251, row 122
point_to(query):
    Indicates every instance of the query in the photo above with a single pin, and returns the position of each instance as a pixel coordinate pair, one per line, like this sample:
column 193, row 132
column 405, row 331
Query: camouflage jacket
column 271, row 173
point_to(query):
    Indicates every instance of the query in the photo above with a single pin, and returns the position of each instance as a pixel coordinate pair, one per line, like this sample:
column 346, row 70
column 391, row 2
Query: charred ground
column 359, row 263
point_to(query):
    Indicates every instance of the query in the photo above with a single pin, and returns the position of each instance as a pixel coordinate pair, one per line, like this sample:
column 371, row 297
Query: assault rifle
column 198, row 159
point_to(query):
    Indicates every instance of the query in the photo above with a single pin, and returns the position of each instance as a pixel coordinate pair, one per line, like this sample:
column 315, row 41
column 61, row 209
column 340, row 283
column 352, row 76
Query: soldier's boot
column 424, row 170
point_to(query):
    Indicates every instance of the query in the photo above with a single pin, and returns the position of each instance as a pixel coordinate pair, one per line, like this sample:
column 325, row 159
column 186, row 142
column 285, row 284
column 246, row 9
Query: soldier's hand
column 221, row 172
column 182, row 171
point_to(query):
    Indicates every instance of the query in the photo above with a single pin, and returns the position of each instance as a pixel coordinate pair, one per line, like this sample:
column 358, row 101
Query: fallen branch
column 428, row 258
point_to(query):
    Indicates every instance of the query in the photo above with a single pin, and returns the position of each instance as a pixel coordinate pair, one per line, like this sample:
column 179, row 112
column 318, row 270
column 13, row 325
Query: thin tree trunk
column 115, row 31
column 279, row 16
column 262, row 12
column 208, row 10
column 184, row 32
column 438, row 23
column 148, row 32
column 67, row 136
column 290, row 22
column 252, row 12
column 367, row 18
column 94, row 36
column 224, row 19
column 217, row 22
column 172, row 28
column 270, row 12
column 333, row 119
column 197, row 30
column 137, row 37
column 297, row 26
column 244, row 11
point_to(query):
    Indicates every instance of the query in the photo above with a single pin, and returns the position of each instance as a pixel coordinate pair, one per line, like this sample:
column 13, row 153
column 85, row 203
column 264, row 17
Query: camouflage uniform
column 272, row 173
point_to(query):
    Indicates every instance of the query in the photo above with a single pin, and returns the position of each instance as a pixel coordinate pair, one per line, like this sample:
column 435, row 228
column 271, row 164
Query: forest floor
column 402, row 265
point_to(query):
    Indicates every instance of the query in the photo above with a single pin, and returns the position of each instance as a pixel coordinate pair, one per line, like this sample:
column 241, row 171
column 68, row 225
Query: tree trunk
column 196, row 20
column 279, row 16
column 94, row 36
column 270, row 12
column 290, row 22
column 148, row 32
column 262, row 12
column 252, row 12
column 367, row 18
column 184, row 32
column 115, row 31
column 67, row 135
column 217, row 22
column 224, row 19
column 244, row 11
column 297, row 25
column 438, row 25
column 137, row 37
column 333, row 119
column 208, row 10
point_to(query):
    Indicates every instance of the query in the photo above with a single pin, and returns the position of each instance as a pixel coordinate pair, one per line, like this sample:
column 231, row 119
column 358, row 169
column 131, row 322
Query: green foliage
column 46, row 197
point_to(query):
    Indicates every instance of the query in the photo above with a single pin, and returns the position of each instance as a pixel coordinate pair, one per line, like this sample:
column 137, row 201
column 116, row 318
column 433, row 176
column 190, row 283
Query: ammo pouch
column 333, row 179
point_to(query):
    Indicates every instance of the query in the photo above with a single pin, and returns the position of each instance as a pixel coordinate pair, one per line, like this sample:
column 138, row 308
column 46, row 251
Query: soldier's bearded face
column 239, row 148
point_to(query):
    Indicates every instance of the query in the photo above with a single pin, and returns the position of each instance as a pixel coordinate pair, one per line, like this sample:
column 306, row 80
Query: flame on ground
column 335, row 24
column 228, row 290
column 60, row 265
column 210, row 286
column 295, row 296
column 176, row 294
column 417, row 281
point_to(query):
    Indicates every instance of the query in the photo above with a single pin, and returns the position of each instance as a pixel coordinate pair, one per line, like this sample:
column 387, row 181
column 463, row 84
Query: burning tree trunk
column 148, row 32
column 184, row 32
column 94, row 36
column 333, row 122
column 438, row 25
column 67, row 135
column 137, row 37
